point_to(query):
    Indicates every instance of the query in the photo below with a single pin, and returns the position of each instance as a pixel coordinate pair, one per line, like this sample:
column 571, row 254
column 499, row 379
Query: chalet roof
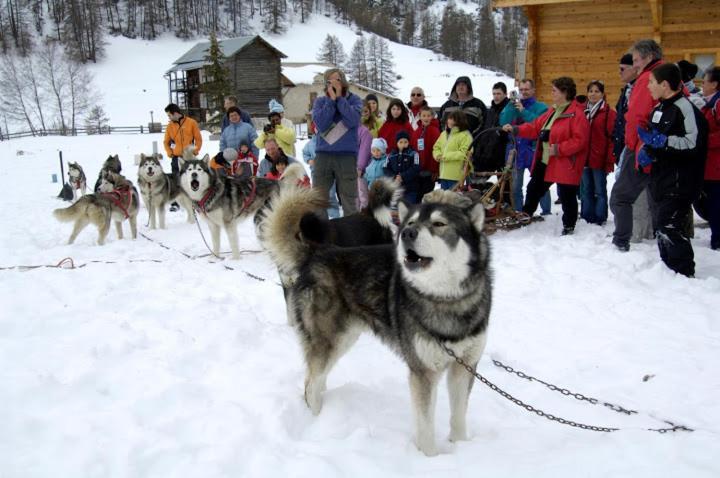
column 195, row 57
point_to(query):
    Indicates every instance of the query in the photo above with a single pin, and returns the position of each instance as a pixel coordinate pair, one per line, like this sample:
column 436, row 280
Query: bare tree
column 331, row 51
column 14, row 102
column 33, row 86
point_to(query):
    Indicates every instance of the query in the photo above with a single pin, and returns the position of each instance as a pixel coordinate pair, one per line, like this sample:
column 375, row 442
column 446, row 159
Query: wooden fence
column 142, row 129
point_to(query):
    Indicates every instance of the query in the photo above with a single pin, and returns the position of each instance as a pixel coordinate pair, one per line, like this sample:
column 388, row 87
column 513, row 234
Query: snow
column 146, row 363
column 302, row 75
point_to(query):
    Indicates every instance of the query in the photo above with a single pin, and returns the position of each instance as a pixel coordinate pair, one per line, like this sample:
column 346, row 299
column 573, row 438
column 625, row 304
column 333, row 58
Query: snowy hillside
column 132, row 83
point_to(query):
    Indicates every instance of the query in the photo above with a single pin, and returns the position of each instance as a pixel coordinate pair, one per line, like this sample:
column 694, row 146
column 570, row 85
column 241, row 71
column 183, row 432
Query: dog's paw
column 458, row 435
column 313, row 399
column 427, row 447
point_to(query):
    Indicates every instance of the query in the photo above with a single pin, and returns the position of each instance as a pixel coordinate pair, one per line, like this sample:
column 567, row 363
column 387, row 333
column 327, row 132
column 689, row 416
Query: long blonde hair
column 372, row 119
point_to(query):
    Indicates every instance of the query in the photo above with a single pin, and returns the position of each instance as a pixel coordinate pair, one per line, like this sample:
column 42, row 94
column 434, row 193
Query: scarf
column 591, row 110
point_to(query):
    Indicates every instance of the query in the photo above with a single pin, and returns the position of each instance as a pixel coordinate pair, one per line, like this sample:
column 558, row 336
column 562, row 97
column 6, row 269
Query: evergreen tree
column 428, row 31
column 217, row 83
column 96, row 122
column 357, row 65
column 331, row 51
column 407, row 34
column 274, row 16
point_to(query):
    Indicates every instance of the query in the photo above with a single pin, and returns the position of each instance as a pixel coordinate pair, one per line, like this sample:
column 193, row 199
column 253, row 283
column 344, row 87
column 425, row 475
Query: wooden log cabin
column 584, row 39
column 255, row 72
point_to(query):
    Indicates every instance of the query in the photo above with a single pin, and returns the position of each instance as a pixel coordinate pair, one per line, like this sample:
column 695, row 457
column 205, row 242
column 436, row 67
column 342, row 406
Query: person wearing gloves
column 403, row 165
column 275, row 129
column 378, row 159
column 562, row 134
column 673, row 147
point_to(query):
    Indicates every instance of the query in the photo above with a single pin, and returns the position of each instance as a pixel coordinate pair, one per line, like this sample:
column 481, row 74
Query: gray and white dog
column 432, row 286
column 112, row 163
column 224, row 201
column 77, row 179
column 159, row 188
column 116, row 201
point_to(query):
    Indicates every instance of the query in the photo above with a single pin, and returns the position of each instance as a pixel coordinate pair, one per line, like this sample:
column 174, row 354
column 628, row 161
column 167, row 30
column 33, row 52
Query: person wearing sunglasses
column 415, row 105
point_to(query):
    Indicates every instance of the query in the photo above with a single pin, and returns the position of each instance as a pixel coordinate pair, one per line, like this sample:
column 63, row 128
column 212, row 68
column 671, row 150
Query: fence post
column 141, row 129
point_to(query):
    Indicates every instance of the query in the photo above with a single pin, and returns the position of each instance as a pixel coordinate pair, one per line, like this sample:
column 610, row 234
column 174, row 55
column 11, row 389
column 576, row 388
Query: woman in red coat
column 396, row 121
column 711, row 91
column 600, row 158
column 562, row 133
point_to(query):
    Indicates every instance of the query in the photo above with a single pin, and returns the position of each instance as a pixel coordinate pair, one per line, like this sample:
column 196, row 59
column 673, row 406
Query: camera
column 514, row 97
column 544, row 136
column 269, row 128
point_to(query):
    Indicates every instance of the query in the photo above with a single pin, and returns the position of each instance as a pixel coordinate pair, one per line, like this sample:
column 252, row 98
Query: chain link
column 673, row 427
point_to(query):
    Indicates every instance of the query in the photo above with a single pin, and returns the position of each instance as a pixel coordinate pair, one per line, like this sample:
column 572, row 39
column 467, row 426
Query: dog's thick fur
column 112, row 163
column 223, row 201
column 99, row 209
column 159, row 188
column 371, row 226
column 77, row 180
column 432, row 286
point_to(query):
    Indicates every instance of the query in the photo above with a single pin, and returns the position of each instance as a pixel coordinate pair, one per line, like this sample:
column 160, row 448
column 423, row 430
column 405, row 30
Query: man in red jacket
column 711, row 110
column 632, row 179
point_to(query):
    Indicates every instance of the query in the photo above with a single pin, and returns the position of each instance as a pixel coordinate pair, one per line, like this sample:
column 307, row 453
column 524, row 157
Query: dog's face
column 112, row 163
column 196, row 177
column 438, row 246
column 108, row 181
column 75, row 171
column 150, row 167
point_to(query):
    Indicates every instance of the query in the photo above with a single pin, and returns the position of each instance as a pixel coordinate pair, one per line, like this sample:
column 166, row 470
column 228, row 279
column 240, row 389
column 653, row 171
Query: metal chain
column 564, row 391
column 673, row 427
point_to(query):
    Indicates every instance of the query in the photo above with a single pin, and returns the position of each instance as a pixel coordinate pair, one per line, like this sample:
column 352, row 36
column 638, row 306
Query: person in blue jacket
column 231, row 101
column 337, row 117
column 238, row 132
column 403, row 166
column 308, row 153
column 524, row 109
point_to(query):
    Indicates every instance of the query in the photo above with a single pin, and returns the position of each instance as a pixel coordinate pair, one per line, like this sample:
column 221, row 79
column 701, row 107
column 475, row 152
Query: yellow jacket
column 454, row 149
column 284, row 136
column 182, row 133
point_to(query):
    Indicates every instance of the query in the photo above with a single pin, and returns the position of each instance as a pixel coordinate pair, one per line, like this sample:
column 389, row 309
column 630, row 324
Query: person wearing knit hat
column 403, row 165
column 378, row 160
column 275, row 106
column 279, row 128
column 402, row 134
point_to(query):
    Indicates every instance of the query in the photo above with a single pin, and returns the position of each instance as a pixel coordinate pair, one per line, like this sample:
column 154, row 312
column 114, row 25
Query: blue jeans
column 593, row 196
column 518, row 178
column 446, row 184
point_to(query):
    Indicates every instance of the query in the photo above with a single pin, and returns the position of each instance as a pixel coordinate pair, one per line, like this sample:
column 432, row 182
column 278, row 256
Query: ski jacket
column 405, row 163
column 180, row 134
column 489, row 154
column 570, row 133
column 453, row 148
column 423, row 140
column 364, row 142
column 600, row 153
column 712, row 114
column 376, row 169
column 284, row 136
column 619, row 128
column 532, row 109
column 391, row 128
column 237, row 133
column 639, row 107
column 337, row 122
column 244, row 117
column 474, row 108
column 414, row 116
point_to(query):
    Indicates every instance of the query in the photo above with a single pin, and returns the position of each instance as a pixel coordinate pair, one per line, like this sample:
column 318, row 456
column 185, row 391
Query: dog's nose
column 194, row 175
column 409, row 234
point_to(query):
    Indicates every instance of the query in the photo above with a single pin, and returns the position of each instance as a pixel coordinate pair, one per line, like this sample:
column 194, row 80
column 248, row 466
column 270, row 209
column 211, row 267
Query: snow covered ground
column 144, row 363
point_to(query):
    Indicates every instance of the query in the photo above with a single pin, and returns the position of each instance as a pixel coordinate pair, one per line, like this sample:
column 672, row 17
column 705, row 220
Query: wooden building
column 584, row 39
column 255, row 72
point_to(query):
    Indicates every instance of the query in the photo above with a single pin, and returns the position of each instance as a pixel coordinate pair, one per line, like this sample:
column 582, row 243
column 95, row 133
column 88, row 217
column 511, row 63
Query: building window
column 704, row 61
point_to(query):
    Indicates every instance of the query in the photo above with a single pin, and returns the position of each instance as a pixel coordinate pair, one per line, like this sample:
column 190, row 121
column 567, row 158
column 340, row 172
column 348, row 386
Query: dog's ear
column 158, row 156
column 116, row 157
column 402, row 210
column 477, row 216
column 206, row 159
column 142, row 156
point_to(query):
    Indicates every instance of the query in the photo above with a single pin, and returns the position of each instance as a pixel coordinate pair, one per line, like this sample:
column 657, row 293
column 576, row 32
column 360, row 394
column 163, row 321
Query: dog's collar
column 205, row 199
column 251, row 197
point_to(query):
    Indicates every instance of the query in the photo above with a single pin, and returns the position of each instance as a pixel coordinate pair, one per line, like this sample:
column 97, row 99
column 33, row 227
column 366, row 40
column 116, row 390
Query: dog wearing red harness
column 224, row 201
column 116, row 200
column 159, row 188
column 77, row 179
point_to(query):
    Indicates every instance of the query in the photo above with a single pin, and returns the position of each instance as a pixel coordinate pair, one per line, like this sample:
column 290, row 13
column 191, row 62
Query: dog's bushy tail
column 71, row 213
column 293, row 173
column 279, row 228
column 384, row 193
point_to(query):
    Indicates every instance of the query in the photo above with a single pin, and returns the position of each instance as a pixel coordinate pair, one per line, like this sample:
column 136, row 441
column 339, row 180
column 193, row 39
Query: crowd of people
column 662, row 139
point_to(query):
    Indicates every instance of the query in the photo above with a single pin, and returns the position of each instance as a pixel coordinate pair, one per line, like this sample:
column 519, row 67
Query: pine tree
column 428, row 31
column 407, row 34
column 487, row 49
column 331, row 51
column 218, row 83
column 357, row 65
column 274, row 16
column 96, row 122
column 387, row 77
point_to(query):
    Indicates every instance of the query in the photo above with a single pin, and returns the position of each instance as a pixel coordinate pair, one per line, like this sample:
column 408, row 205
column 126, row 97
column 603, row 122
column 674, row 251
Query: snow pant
column 340, row 169
column 669, row 223
column 518, row 177
column 628, row 185
column 712, row 190
column 538, row 187
column 593, row 196
column 642, row 228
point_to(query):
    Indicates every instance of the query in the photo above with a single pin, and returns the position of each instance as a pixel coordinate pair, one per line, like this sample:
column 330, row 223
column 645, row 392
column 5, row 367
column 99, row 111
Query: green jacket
column 454, row 151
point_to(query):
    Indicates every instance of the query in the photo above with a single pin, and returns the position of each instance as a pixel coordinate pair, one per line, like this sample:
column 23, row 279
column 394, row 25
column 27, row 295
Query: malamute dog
column 117, row 200
column 112, row 163
column 432, row 286
column 77, row 179
column 224, row 201
column 159, row 188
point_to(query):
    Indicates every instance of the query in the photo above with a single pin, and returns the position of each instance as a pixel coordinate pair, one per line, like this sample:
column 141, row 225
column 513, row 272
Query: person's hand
column 359, row 173
column 653, row 138
column 554, row 151
column 518, row 105
column 439, row 157
column 311, row 162
column 331, row 92
column 507, row 128
column 644, row 158
column 398, row 179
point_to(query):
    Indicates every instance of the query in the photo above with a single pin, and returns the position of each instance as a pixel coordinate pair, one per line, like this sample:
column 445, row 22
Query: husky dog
column 116, row 201
column 373, row 225
column 112, row 163
column 224, row 201
column 431, row 287
column 158, row 188
column 77, row 179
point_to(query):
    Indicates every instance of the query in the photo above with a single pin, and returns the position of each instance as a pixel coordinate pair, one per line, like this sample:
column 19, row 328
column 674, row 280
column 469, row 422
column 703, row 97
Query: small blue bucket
column 54, row 178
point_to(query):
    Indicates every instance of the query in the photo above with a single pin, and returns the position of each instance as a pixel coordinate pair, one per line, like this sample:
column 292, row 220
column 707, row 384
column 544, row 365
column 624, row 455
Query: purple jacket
column 343, row 113
column 364, row 142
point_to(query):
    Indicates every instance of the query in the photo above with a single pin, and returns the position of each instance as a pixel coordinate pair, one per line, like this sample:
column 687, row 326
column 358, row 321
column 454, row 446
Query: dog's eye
column 411, row 223
column 439, row 224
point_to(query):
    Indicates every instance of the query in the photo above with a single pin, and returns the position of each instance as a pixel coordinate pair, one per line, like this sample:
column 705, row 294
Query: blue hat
column 379, row 143
column 402, row 134
column 275, row 106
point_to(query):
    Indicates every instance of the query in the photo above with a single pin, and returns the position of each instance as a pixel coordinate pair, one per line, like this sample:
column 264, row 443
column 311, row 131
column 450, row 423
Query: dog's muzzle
column 413, row 261
column 194, row 183
column 150, row 172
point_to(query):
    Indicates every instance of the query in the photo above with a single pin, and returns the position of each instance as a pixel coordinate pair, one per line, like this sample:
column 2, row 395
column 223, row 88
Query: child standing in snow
column 378, row 160
column 404, row 166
